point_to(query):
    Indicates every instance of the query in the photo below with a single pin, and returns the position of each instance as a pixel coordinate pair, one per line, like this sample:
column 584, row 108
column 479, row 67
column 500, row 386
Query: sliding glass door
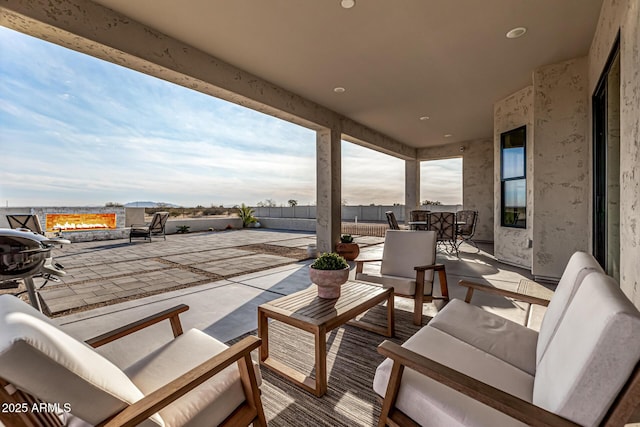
column 606, row 167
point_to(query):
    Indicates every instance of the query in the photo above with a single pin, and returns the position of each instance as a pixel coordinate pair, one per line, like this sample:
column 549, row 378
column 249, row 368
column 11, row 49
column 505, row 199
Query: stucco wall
column 477, row 179
column 561, row 184
column 624, row 15
column 512, row 245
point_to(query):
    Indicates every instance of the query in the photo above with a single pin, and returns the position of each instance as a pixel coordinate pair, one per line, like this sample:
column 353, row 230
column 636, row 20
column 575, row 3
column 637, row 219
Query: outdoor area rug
column 351, row 363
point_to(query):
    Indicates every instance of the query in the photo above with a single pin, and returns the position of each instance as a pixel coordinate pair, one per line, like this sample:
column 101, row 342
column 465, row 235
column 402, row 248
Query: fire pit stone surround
column 79, row 224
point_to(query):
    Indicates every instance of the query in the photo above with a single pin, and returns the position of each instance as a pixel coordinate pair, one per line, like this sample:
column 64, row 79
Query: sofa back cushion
column 403, row 250
column 593, row 353
column 39, row 358
column 579, row 266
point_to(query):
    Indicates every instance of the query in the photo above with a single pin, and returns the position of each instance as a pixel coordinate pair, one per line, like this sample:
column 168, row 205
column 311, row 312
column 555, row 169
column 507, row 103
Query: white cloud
column 75, row 130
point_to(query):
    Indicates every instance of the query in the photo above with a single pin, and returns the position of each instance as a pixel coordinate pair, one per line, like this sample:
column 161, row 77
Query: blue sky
column 75, row 130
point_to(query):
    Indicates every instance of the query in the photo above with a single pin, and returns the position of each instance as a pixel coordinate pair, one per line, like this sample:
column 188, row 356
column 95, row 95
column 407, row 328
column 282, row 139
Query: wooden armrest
column 171, row 314
column 435, row 267
column 368, row 260
column 360, row 263
column 482, row 392
column 502, row 292
column 142, row 409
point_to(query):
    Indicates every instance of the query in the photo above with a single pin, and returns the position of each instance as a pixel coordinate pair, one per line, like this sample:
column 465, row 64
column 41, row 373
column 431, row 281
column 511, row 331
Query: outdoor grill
column 25, row 254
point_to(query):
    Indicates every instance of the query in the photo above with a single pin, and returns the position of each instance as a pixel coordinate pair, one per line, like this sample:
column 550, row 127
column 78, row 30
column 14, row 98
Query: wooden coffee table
column 306, row 311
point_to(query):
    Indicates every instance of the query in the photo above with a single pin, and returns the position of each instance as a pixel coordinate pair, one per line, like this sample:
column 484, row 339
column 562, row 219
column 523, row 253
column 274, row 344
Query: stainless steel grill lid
column 22, row 253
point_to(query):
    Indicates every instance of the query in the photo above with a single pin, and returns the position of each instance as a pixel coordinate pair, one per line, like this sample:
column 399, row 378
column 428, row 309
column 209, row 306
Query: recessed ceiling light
column 447, row 135
column 423, row 118
column 348, row 4
column 516, row 32
column 339, row 89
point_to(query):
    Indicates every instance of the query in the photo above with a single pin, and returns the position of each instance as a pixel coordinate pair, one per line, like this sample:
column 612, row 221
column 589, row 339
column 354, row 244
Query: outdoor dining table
column 416, row 224
column 426, row 223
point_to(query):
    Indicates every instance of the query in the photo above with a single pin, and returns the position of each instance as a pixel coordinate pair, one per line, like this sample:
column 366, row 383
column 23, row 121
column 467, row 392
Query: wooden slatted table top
column 307, row 307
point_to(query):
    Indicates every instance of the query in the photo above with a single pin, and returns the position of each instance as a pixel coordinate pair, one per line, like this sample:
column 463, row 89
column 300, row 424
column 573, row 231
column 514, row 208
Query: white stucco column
column 411, row 187
column 328, row 188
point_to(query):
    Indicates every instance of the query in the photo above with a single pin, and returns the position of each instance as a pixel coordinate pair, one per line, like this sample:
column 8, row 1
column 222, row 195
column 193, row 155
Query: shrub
column 246, row 215
column 330, row 261
column 346, row 238
column 182, row 229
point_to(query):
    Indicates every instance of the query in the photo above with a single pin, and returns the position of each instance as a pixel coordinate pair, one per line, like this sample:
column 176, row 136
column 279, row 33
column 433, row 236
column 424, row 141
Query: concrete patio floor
column 227, row 308
column 106, row 271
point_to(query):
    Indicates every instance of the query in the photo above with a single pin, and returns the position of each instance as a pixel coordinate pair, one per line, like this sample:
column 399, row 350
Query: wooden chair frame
column 250, row 411
column 619, row 413
column 419, row 297
column 472, row 286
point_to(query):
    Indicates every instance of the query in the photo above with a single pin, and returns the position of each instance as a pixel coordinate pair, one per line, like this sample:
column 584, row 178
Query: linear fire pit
column 81, row 224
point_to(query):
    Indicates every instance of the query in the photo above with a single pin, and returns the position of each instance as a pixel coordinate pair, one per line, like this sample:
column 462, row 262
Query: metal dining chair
column 418, row 217
column 466, row 221
column 443, row 223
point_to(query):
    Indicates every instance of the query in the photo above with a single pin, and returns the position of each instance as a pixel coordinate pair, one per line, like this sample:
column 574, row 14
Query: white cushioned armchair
column 469, row 367
column 194, row 380
column 408, row 265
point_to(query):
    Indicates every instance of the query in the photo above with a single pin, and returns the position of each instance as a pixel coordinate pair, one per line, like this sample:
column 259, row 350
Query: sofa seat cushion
column 508, row 341
column 594, row 350
column 41, row 359
column 401, row 285
column 430, row 403
column 206, row 405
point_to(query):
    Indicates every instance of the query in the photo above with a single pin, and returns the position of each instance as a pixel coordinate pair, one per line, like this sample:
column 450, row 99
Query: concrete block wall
column 349, row 213
column 295, row 224
column 203, row 224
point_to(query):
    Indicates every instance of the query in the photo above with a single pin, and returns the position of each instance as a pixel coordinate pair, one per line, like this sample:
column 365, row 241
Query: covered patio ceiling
column 398, row 61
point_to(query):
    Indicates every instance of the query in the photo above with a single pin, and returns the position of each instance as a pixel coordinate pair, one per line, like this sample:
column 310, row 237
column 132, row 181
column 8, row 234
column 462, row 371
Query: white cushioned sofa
column 469, row 367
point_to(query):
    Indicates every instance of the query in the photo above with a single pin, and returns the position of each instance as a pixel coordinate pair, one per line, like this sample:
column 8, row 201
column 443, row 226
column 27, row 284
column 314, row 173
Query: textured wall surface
column 411, row 187
column 624, row 15
column 328, row 189
column 630, row 154
column 477, row 179
column 561, row 165
column 512, row 244
column 477, row 185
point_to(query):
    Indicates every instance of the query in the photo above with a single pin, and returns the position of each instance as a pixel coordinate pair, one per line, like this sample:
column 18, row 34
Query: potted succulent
column 329, row 271
column 347, row 247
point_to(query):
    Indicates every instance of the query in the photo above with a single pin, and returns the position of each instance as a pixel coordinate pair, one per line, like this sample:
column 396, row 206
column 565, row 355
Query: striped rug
column 351, row 363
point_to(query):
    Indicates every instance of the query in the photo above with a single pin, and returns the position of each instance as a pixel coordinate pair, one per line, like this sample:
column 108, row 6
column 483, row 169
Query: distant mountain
column 149, row 205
